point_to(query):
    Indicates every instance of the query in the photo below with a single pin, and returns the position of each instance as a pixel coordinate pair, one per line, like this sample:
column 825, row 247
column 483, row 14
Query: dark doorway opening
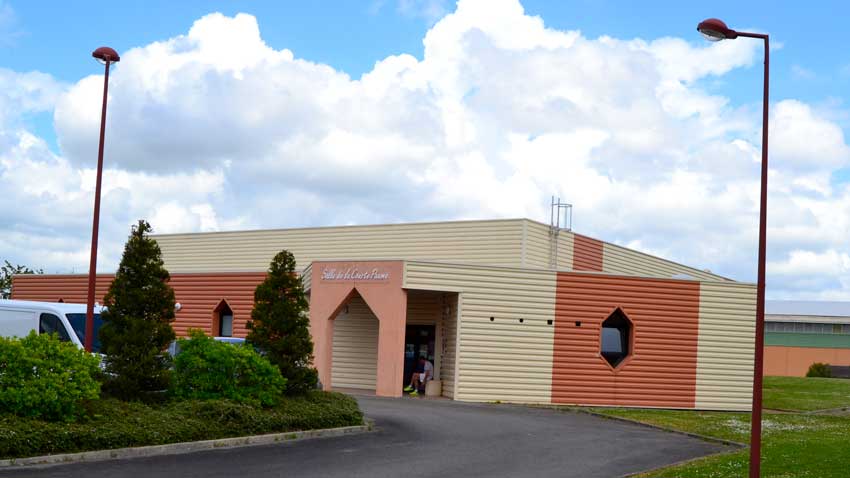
column 418, row 340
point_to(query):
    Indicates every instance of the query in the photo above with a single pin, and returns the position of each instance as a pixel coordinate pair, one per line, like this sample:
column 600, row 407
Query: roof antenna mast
column 560, row 219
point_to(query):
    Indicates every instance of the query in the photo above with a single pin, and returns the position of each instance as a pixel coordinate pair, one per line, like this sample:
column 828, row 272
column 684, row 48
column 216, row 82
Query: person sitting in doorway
column 424, row 372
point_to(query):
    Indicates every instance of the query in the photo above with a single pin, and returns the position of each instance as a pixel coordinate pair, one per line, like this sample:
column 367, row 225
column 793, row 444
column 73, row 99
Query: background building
column 511, row 310
column 800, row 333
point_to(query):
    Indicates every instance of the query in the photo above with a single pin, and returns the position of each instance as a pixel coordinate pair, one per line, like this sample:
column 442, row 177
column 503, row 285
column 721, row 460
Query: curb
column 183, row 447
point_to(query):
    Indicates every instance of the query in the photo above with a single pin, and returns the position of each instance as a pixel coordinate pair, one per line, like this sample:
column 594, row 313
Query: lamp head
column 105, row 54
column 715, row 30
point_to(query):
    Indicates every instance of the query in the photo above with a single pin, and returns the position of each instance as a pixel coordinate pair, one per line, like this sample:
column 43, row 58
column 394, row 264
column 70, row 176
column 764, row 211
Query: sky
column 244, row 115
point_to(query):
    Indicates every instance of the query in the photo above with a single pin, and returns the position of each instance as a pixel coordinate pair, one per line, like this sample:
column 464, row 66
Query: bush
column 117, row 424
column 206, row 368
column 43, row 377
column 818, row 369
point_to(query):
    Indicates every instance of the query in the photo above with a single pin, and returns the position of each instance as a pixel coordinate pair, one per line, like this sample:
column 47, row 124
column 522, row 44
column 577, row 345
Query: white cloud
column 215, row 130
column 21, row 93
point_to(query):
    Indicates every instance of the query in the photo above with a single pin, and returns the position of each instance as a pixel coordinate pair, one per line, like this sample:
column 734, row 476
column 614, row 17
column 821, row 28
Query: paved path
column 431, row 438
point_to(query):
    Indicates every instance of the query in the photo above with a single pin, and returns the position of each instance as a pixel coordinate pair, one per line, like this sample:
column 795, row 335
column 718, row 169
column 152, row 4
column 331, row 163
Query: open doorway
column 419, row 340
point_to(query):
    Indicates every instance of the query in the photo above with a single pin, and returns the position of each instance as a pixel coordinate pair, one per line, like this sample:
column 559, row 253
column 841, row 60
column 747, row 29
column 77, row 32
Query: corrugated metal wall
column 355, row 347
column 663, row 367
column 307, row 277
column 503, row 359
column 198, row 294
column 726, row 342
column 423, row 307
column 620, row 260
column 484, row 242
column 538, row 247
column 587, row 254
column 448, row 354
column 71, row 288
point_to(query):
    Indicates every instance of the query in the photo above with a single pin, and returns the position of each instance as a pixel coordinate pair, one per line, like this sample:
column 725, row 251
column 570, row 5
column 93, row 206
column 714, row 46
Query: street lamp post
column 715, row 30
column 105, row 55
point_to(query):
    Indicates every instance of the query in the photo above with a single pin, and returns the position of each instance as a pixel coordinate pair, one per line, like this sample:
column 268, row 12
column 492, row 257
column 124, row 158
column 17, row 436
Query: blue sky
column 636, row 119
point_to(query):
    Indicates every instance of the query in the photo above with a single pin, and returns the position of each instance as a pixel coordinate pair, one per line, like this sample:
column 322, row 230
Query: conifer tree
column 280, row 326
column 137, row 323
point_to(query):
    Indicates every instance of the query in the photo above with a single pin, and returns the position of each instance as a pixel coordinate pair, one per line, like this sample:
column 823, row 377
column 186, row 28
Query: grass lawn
column 116, row 424
column 805, row 394
column 794, row 444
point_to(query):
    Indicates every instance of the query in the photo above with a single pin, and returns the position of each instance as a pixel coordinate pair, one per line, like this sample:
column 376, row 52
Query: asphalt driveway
column 431, row 438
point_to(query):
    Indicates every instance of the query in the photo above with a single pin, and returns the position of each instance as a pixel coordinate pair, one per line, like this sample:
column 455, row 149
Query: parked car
column 19, row 317
column 174, row 348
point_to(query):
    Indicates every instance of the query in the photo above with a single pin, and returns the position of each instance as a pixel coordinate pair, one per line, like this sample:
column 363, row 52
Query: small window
column 225, row 321
column 616, row 338
column 50, row 324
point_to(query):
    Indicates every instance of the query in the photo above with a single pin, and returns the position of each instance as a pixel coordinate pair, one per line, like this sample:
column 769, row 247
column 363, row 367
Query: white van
column 19, row 317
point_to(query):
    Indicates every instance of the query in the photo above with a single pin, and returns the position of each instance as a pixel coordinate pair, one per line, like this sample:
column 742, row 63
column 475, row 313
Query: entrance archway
column 354, row 352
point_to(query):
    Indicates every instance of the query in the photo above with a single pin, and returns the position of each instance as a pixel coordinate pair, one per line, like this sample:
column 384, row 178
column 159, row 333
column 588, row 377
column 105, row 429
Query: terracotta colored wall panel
column 71, row 288
column 661, row 372
column 198, row 294
column 587, row 254
column 795, row 361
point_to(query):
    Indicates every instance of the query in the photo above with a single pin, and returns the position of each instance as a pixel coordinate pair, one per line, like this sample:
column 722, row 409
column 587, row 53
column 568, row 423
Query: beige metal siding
column 354, row 363
column 479, row 242
column 501, row 359
column 423, row 307
column 566, row 250
column 538, row 247
column 307, row 277
column 726, row 341
column 620, row 260
column 448, row 349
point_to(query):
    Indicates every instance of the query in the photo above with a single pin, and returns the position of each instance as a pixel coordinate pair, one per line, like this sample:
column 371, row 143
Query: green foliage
column 280, row 326
column 41, row 376
column 206, row 368
column 137, row 323
column 818, row 369
column 806, row 394
column 116, row 424
column 7, row 270
column 801, row 444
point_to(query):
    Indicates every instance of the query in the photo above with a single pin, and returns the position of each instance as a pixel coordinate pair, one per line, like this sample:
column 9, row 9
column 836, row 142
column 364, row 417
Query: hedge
column 208, row 369
column 117, row 424
column 43, row 377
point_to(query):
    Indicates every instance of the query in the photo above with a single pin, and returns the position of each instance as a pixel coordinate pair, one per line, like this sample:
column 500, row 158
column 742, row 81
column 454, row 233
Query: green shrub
column 818, row 369
column 116, row 424
column 206, row 368
column 41, row 376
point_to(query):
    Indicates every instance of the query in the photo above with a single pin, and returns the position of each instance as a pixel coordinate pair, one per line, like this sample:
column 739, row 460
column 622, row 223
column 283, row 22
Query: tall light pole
column 106, row 56
column 715, row 30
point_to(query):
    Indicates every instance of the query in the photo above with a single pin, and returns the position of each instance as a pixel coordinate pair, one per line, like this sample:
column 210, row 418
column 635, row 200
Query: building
column 800, row 333
column 510, row 310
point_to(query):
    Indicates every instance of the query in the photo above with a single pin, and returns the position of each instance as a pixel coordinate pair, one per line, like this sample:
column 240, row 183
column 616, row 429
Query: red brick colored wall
column 198, row 294
column 661, row 372
column 587, row 254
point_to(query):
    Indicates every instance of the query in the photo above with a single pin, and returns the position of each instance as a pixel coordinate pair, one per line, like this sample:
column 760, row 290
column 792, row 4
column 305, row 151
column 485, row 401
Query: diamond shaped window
column 616, row 338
